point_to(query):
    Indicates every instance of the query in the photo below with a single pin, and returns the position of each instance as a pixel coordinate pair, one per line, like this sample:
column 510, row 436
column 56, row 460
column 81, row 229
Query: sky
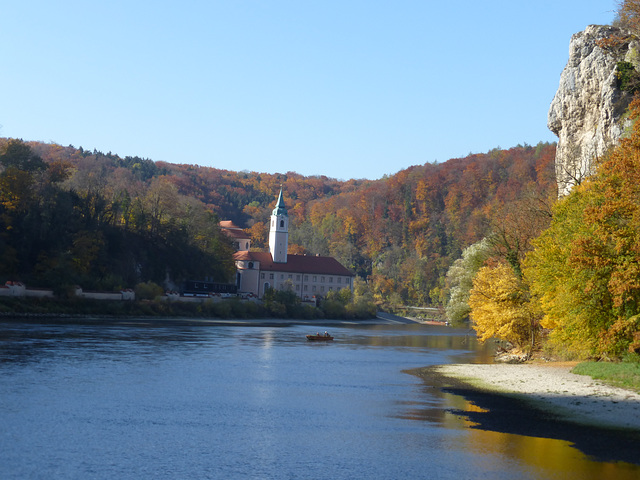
column 346, row 89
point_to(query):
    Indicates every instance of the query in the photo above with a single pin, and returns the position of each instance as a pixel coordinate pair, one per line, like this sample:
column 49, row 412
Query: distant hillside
column 401, row 232
column 225, row 192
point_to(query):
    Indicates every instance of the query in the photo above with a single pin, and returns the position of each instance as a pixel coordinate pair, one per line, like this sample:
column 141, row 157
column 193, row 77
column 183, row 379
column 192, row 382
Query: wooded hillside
column 92, row 217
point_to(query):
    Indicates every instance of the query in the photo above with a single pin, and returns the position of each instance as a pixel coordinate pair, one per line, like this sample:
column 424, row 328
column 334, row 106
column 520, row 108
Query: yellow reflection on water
column 547, row 458
column 427, row 337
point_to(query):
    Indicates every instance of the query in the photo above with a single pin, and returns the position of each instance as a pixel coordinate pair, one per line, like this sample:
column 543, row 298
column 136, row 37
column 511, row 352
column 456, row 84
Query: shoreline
column 551, row 388
column 87, row 319
column 544, row 401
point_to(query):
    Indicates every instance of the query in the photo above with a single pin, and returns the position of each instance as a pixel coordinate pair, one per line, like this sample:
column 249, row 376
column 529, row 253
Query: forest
column 572, row 287
column 73, row 216
column 100, row 222
column 575, row 282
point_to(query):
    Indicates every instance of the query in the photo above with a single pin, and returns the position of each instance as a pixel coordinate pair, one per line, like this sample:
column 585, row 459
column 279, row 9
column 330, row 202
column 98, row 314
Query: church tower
column 279, row 232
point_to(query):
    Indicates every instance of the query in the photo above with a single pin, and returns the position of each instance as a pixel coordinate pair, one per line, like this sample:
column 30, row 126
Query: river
column 253, row 402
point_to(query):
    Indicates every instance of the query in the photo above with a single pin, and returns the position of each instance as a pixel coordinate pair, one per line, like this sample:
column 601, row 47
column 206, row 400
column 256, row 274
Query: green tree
column 460, row 280
column 19, row 155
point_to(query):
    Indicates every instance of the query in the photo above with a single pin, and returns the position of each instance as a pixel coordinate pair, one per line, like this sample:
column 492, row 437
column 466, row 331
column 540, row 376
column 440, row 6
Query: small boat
column 319, row 338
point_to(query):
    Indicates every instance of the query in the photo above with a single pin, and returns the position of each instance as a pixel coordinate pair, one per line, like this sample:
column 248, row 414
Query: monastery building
column 307, row 275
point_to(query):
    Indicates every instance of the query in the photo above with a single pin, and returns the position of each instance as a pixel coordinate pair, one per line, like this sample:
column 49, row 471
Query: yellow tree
column 259, row 234
column 501, row 307
column 585, row 267
column 574, row 313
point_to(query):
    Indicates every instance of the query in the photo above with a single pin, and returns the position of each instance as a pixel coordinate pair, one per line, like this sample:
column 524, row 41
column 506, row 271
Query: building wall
column 249, row 275
column 305, row 284
column 242, row 244
column 17, row 289
column 38, row 293
column 279, row 238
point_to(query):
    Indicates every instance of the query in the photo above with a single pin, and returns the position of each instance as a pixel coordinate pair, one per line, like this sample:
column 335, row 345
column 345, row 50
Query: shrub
column 628, row 77
column 148, row 291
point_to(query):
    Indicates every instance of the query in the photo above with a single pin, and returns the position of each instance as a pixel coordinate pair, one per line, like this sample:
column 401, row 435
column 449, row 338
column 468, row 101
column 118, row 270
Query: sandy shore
column 554, row 388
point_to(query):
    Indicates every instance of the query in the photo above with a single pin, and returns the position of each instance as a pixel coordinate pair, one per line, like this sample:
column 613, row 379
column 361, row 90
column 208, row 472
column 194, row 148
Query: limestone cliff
column 588, row 111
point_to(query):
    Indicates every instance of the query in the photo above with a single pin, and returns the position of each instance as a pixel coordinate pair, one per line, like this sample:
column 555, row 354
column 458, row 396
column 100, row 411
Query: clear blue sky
column 347, row 89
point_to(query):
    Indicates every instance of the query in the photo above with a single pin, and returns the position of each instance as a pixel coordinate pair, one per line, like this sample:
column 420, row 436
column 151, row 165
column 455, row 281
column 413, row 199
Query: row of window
column 323, row 279
column 314, row 288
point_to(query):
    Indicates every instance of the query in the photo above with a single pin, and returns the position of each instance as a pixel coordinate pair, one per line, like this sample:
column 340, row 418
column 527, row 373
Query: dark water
column 126, row 402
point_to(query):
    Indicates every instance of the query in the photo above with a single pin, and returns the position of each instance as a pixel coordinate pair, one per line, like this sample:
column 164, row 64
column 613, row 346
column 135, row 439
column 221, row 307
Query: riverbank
column 202, row 309
column 79, row 319
column 552, row 388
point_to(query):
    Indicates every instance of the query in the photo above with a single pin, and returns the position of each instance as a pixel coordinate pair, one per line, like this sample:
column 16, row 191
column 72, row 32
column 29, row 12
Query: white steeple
column 279, row 231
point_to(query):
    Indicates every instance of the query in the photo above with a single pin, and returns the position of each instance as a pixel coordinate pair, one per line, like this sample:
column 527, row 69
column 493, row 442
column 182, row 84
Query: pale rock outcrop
column 588, row 111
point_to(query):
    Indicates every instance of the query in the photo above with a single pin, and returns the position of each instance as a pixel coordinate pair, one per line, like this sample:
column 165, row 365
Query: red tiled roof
column 242, row 255
column 239, row 234
column 297, row 264
column 228, row 224
column 232, row 230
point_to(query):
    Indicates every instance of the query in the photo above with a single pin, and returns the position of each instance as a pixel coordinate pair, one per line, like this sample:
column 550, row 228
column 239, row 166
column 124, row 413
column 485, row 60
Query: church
column 308, row 276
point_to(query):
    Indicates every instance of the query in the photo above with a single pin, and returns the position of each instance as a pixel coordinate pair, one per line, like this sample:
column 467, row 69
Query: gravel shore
column 553, row 388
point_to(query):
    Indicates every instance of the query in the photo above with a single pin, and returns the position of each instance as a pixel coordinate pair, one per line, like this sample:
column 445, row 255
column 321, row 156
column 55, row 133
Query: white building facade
column 307, row 275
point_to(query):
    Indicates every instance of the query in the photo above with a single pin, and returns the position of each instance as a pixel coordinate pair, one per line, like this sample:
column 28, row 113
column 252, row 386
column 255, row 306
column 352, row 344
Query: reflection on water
column 546, row 457
column 254, row 402
column 424, row 337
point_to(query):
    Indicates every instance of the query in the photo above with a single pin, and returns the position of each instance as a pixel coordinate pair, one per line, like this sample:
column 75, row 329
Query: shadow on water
column 504, row 414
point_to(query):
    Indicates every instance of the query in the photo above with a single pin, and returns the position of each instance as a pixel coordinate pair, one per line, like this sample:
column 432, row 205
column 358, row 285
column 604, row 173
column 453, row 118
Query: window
column 315, row 279
column 322, row 288
column 297, row 287
column 330, row 288
column 262, row 275
column 313, row 289
column 339, row 279
column 306, row 287
column 297, row 278
column 271, row 276
column 281, row 223
column 306, row 278
column 250, row 264
column 330, row 279
column 282, row 276
column 290, row 276
column 322, row 279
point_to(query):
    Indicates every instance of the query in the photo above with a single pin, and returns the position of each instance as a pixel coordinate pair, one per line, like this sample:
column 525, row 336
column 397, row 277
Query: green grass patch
column 624, row 374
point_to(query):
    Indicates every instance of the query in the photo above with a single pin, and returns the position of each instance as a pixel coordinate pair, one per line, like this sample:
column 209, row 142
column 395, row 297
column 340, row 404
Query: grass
column 624, row 375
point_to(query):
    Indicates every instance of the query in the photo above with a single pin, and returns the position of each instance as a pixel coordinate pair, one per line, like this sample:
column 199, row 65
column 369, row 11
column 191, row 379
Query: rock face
column 588, row 111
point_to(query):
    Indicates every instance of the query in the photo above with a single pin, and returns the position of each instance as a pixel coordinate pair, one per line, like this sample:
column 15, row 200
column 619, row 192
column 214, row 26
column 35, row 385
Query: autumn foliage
column 501, row 307
column 586, row 267
column 400, row 233
column 66, row 220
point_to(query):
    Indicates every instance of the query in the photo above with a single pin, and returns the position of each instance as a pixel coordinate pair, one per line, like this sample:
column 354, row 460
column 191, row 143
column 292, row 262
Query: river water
column 234, row 402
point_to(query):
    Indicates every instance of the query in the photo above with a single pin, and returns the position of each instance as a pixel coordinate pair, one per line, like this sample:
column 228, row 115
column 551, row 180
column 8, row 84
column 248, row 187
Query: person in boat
column 326, row 334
